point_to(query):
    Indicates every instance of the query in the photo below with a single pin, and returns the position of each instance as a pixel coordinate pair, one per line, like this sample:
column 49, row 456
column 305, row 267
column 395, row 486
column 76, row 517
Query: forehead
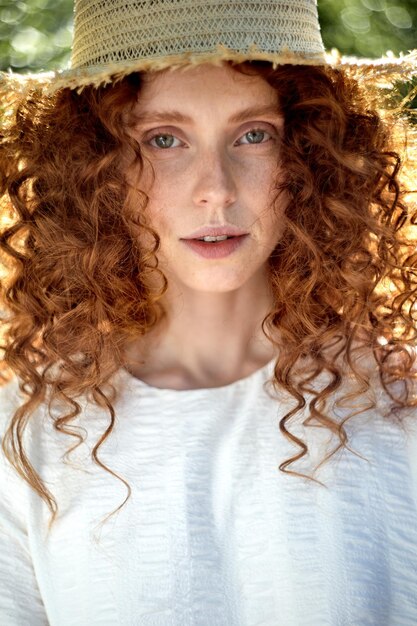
column 196, row 85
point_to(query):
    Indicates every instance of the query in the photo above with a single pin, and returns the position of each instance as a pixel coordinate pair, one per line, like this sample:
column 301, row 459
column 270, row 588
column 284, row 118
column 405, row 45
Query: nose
column 215, row 184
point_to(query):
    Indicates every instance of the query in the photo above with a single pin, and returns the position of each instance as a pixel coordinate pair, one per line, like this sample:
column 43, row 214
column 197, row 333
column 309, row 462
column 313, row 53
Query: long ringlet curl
column 76, row 286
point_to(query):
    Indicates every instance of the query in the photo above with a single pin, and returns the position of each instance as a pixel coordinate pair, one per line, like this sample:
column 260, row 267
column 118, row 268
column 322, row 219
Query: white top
column 214, row 534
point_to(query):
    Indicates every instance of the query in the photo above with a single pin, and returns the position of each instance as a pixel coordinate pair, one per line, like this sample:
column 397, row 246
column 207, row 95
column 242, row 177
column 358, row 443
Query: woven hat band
column 120, row 31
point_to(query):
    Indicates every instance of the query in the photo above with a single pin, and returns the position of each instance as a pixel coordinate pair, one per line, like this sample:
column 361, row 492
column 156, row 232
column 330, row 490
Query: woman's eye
column 163, row 141
column 256, row 136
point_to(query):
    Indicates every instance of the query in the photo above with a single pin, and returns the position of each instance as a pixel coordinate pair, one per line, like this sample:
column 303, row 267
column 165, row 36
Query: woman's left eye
column 167, row 141
column 256, row 136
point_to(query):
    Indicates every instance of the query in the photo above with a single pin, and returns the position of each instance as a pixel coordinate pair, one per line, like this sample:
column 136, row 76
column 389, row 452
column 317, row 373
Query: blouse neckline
column 264, row 371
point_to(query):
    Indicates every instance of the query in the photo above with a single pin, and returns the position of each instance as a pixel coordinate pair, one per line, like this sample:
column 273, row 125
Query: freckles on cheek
column 263, row 173
column 168, row 180
column 169, row 167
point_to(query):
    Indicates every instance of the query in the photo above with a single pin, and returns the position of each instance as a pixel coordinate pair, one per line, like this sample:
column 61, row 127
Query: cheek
column 261, row 188
column 258, row 176
column 165, row 191
column 168, row 190
column 272, row 218
column 160, row 218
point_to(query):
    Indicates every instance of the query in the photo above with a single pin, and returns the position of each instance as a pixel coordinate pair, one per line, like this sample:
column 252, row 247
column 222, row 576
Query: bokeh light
column 399, row 17
column 35, row 35
column 369, row 28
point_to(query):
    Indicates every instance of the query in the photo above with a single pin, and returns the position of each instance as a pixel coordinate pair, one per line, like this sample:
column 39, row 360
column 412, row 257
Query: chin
column 216, row 284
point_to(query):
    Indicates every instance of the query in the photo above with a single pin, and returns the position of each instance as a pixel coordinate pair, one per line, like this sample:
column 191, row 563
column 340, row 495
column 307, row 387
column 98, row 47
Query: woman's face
column 212, row 136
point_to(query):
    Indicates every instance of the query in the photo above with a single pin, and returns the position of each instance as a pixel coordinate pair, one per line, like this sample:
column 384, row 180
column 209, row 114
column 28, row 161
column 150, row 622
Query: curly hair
column 76, row 285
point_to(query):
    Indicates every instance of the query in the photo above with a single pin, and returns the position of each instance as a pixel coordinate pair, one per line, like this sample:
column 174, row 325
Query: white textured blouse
column 214, row 534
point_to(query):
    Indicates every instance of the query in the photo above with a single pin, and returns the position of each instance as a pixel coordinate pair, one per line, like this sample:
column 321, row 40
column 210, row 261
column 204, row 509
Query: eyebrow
column 180, row 118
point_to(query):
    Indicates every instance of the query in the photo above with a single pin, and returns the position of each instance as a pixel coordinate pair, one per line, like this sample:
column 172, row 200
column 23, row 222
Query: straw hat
column 113, row 38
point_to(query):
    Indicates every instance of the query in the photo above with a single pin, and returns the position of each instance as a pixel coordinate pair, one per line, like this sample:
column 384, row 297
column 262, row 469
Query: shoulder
column 395, row 421
column 11, row 398
column 411, row 447
column 12, row 489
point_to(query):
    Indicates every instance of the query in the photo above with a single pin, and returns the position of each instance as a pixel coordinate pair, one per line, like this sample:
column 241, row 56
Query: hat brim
column 381, row 72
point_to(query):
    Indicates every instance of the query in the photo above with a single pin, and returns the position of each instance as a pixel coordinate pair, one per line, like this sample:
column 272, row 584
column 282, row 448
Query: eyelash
column 162, row 134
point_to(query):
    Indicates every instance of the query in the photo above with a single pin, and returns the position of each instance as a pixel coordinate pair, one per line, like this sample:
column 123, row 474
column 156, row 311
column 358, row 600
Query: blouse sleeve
column 20, row 599
column 411, row 437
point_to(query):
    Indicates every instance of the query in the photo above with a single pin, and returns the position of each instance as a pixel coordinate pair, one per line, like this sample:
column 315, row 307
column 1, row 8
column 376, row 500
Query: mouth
column 212, row 233
column 216, row 249
column 213, row 239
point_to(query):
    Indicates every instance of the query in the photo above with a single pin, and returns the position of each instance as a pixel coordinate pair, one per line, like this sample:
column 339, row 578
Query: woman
column 192, row 373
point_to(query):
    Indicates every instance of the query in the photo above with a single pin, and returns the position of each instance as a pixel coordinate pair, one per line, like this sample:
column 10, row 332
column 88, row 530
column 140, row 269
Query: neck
column 207, row 338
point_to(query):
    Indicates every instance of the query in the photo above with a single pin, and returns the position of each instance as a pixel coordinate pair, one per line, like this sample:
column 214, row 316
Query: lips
column 216, row 231
column 216, row 250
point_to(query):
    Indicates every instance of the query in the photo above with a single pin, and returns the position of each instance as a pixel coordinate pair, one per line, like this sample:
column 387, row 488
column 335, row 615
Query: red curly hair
column 76, row 285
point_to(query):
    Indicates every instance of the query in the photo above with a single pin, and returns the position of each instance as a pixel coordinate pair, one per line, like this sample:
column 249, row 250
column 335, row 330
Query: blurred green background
column 36, row 34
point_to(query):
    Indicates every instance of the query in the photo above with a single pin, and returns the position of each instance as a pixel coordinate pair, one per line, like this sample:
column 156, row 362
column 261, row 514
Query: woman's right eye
column 162, row 141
